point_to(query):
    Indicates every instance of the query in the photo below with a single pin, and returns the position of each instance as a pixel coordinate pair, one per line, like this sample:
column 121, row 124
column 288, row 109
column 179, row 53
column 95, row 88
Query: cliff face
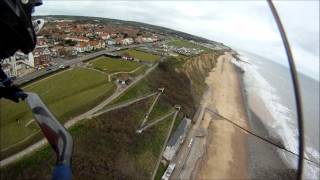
column 197, row 69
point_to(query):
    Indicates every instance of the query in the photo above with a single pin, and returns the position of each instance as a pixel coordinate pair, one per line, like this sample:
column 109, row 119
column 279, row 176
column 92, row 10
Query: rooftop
column 179, row 132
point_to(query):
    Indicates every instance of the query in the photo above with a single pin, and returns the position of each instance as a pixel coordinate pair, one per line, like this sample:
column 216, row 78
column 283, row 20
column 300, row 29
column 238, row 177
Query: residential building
column 127, row 41
column 79, row 39
column 81, row 47
column 111, row 42
column 9, row 66
column 18, row 65
column 105, row 36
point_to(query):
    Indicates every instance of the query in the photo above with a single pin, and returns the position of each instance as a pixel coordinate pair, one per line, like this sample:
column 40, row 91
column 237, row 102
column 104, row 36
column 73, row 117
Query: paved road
column 73, row 121
column 164, row 145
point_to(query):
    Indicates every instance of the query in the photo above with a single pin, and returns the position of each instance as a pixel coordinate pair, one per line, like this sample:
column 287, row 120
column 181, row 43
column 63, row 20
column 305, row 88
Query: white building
column 79, row 39
column 18, row 65
column 177, row 139
column 9, row 66
column 127, row 41
column 111, row 42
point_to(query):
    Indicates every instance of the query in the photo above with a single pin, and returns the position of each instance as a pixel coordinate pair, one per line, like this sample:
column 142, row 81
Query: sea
column 270, row 97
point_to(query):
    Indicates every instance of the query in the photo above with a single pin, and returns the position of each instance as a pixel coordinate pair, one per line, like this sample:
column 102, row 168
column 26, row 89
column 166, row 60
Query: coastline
column 264, row 160
column 270, row 107
column 225, row 151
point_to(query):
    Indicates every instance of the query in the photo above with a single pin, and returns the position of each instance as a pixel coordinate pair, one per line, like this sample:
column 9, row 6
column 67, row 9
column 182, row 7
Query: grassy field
column 187, row 44
column 106, row 147
column 66, row 94
column 142, row 55
column 111, row 65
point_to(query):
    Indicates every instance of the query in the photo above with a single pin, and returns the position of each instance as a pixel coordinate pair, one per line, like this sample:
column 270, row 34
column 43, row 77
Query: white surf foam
column 283, row 123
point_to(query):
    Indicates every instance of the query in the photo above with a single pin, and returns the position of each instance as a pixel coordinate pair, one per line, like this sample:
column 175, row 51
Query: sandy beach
column 225, row 155
column 223, row 149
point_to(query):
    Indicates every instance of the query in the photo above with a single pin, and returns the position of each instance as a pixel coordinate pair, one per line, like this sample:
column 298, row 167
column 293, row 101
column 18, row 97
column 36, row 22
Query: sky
column 245, row 25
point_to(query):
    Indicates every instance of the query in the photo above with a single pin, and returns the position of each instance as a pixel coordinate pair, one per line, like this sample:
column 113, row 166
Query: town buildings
column 67, row 38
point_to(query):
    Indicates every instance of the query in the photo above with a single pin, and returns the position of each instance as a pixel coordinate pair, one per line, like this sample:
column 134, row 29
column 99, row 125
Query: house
column 177, row 139
column 147, row 39
column 111, row 42
column 102, row 44
column 138, row 39
column 9, row 66
column 123, row 79
column 79, row 39
column 95, row 44
column 119, row 40
column 105, row 36
column 81, row 47
column 127, row 41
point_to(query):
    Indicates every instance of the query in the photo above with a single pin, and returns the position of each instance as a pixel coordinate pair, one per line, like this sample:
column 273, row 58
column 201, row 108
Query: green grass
column 142, row 55
column 105, row 147
column 184, row 43
column 138, row 90
column 161, row 108
column 162, row 168
column 66, row 95
column 111, row 65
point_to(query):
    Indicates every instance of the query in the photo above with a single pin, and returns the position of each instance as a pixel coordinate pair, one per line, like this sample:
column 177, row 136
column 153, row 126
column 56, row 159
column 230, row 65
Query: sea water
column 269, row 82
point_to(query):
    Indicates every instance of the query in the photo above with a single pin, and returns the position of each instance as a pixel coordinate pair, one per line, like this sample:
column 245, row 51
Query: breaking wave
column 283, row 119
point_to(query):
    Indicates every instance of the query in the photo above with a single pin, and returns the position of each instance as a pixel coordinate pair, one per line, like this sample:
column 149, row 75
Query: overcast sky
column 246, row 25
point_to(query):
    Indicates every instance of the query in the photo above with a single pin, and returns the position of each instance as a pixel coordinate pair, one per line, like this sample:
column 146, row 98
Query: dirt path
column 72, row 122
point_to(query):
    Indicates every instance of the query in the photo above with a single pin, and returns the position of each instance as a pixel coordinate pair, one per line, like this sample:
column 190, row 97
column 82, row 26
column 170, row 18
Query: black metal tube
column 296, row 87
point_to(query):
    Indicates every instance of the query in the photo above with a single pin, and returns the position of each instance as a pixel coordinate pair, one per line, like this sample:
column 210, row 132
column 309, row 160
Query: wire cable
column 260, row 137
